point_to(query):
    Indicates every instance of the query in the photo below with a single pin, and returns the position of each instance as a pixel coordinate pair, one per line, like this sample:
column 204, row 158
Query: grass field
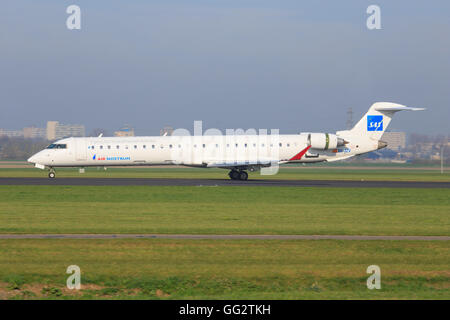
column 218, row 269
column 225, row 269
column 297, row 173
column 224, row 210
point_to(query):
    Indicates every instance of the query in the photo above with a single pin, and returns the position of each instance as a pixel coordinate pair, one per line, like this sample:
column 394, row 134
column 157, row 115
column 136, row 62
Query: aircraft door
column 80, row 149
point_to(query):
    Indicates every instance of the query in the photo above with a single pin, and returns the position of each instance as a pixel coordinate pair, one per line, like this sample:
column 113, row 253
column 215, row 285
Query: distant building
column 11, row 133
column 395, row 140
column 55, row 130
column 34, row 133
column 51, row 130
column 69, row 130
column 425, row 146
column 124, row 132
column 166, row 131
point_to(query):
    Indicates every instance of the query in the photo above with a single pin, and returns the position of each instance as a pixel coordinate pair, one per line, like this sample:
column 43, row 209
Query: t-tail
column 368, row 131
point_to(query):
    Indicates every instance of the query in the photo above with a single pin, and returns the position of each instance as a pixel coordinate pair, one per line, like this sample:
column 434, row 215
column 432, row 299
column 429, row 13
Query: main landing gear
column 52, row 174
column 238, row 175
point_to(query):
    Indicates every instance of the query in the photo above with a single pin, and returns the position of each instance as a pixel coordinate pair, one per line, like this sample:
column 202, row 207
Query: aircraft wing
column 340, row 158
column 260, row 162
column 240, row 163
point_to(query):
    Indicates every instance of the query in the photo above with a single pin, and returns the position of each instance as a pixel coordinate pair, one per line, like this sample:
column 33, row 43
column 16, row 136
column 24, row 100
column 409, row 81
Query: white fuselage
column 203, row 151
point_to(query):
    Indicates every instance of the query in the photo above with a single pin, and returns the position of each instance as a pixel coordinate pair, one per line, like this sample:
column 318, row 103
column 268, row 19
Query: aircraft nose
column 33, row 158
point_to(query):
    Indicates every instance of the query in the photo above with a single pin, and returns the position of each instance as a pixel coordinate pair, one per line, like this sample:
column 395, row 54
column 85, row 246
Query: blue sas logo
column 93, row 158
column 374, row 123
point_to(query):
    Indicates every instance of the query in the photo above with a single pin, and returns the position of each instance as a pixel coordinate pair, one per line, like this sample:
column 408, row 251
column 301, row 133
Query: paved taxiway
column 219, row 182
column 221, row 237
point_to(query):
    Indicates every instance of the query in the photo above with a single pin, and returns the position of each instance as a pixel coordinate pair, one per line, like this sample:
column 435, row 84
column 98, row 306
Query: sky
column 292, row 65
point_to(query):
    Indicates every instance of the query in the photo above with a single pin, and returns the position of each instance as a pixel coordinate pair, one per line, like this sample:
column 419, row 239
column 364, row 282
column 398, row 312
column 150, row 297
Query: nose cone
column 36, row 158
column 32, row 159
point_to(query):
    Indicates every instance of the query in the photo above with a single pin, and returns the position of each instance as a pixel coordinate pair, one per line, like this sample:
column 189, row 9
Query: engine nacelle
column 325, row 141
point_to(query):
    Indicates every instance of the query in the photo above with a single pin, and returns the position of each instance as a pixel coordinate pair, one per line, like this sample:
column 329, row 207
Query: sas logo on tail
column 374, row 123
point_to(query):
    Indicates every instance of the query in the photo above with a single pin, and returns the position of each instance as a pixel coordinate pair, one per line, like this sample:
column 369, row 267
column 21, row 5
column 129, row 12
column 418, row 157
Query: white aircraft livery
column 237, row 153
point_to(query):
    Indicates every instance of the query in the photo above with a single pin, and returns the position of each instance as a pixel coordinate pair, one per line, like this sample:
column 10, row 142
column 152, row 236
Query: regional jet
column 237, row 153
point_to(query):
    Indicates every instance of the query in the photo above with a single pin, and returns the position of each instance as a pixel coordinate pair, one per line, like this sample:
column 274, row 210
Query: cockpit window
column 57, row 146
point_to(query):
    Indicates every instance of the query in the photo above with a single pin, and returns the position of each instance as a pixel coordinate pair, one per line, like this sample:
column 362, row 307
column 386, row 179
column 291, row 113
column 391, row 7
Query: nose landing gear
column 238, row 175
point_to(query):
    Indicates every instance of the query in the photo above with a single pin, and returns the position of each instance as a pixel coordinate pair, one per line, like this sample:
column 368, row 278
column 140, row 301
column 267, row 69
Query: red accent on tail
column 299, row 155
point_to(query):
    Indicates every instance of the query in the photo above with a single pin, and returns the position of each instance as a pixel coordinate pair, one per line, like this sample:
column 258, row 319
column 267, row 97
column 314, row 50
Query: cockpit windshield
column 57, row 146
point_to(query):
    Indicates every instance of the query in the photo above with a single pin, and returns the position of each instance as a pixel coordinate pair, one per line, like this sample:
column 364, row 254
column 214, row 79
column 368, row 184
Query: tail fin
column 377, row 119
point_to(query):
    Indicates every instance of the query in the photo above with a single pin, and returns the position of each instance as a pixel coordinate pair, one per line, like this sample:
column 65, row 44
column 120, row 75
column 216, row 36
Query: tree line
column 19, row 148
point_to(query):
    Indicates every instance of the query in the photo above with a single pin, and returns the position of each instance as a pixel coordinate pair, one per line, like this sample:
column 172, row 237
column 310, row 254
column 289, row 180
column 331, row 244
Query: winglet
column 299, row 155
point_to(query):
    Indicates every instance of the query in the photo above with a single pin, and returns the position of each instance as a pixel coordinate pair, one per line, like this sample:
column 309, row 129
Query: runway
column 219, row 182
column 221, row 237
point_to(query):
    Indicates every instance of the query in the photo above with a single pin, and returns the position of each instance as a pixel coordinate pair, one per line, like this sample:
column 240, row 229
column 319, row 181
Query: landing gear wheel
column 234, row 175
column 51, row 174
column 243, row 175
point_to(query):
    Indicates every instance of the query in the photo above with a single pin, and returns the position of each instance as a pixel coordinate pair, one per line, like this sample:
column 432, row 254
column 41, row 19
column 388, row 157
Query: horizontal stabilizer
column 395, row 108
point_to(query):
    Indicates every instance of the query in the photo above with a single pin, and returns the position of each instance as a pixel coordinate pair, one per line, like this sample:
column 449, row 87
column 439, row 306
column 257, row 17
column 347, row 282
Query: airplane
column 237, row 153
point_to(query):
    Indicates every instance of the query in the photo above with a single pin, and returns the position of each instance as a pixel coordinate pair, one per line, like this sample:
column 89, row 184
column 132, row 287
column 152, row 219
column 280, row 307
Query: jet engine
column 325, row 141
